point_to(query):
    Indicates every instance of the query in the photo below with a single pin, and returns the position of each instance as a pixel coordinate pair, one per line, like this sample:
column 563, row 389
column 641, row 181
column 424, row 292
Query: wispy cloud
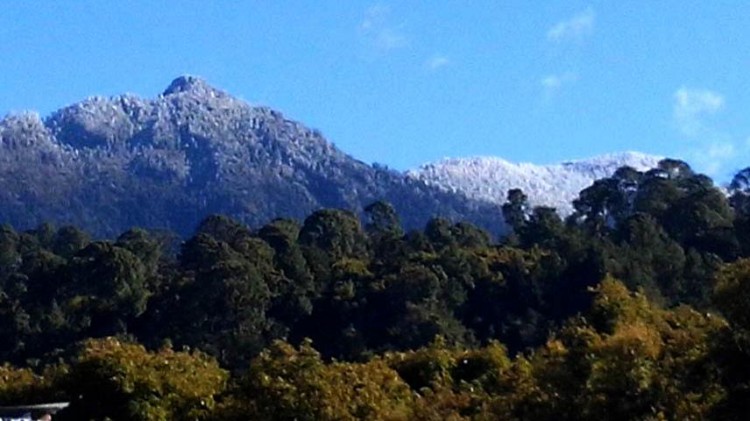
column 552, row 84
column 714, row 156
column 574, row 28
column 437, row 61
column 378, row 32
column 710, row 148
column 691, row 106
column 578, row 26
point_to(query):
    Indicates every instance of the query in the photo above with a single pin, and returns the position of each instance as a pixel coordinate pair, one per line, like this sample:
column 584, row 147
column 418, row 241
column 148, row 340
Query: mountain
column 107, row 164
column 490, row 178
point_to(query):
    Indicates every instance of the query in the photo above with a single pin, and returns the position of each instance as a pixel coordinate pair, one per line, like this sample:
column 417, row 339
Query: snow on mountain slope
column 108, row 164
column 490, row 178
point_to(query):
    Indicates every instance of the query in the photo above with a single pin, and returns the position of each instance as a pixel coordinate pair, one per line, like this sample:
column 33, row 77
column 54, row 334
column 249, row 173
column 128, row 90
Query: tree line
column 633, row 307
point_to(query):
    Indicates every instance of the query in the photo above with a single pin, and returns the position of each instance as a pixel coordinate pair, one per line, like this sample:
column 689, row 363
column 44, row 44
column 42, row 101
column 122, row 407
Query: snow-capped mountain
column 106, row 164
column 490, row 178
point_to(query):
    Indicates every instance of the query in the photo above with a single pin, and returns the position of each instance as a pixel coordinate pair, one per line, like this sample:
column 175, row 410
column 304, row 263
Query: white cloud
column 373, row 15
column 379, row 33
column 691, row 106
column 712, row 149
column 713, row 156
column 576, row 27
column 437, row 62
column 552, row 84
column 720, row 150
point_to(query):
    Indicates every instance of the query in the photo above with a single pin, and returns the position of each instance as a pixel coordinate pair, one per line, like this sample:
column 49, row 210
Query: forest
column 635, row 307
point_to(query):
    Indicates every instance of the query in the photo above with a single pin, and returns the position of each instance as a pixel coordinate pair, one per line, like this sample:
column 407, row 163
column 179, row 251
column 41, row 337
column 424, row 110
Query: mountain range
column 107, row 164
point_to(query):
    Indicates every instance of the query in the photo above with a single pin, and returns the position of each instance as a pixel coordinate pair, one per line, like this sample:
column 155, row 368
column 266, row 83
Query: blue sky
column 403, row 83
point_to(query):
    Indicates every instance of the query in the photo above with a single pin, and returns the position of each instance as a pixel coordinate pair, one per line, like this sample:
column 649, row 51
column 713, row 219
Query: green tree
column 516, row 209
column 382, row 220
column 221, row 306
column 68, row 240
column 337, row 233
column 107, row 288
column 294, row 293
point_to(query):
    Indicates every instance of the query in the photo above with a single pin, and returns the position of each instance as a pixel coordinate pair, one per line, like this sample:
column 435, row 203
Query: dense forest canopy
column 634, row 307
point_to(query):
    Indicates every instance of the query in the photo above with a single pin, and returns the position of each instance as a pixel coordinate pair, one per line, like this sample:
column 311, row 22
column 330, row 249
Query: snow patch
column 490, row 178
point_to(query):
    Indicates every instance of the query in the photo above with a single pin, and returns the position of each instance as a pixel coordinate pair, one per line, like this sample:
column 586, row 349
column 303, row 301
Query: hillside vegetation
column 634, row 307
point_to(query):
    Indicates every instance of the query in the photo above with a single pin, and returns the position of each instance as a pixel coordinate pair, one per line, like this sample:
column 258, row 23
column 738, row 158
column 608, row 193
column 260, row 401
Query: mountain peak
column 188, row 83
column 108, row 164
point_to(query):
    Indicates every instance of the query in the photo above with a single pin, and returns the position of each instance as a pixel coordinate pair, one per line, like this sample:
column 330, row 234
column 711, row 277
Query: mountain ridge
column 108, row 163
column 489, row 178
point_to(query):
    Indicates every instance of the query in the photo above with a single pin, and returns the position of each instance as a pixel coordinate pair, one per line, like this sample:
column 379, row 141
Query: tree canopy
column 634, row 307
